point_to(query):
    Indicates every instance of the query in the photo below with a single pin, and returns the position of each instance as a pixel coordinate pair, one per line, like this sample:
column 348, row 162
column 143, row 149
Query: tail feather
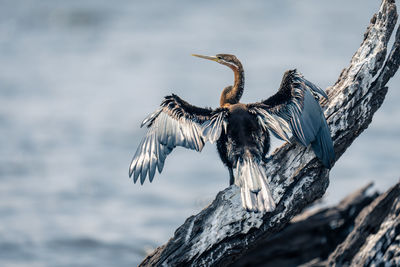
column 252, row 180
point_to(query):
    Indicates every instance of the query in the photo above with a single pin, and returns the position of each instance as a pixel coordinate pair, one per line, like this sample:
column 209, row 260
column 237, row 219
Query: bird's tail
column 250, row 176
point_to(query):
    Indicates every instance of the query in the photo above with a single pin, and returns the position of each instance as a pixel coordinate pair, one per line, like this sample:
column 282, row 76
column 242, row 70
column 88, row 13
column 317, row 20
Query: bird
column 241, row 131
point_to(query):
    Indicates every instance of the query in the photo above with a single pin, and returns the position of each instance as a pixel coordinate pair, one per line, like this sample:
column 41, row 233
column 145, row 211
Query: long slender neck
column 232, row 94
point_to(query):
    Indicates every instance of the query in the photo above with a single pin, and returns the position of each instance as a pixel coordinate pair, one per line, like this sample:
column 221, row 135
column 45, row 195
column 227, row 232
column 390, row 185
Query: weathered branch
column 375, row 239
column 363, row 230
column 223, row 231
column 310, row 236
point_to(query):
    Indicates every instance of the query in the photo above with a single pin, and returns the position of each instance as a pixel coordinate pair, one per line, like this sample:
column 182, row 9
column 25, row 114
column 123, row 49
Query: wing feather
column 211, row 129
column 175, row 123
column 296, row 103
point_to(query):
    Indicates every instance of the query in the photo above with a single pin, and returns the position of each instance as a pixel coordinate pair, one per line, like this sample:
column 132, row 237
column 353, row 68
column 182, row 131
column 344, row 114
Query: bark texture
column 375, row 239
column 363, row 230
column 223, row 231
column 311, row 236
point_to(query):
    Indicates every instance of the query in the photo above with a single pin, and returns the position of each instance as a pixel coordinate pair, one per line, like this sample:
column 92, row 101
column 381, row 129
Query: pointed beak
column 206, row 57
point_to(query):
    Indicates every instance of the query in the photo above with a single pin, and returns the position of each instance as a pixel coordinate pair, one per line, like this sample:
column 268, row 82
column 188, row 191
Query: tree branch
column 310, row 236
column 223, row 231
column 376, row 228
column 363, row 230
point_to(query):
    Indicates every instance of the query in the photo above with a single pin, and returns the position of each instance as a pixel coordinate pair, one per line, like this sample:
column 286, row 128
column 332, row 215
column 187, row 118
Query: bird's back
column 240, row 124
column 244, row 145
column 243, row 131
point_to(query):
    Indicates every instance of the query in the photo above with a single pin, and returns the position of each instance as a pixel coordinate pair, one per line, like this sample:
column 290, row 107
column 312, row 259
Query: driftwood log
column 221, row 233
column 363, row 230
column 375, row 240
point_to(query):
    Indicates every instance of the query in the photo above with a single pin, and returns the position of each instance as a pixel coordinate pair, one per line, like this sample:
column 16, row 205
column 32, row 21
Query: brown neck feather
column 232, row 94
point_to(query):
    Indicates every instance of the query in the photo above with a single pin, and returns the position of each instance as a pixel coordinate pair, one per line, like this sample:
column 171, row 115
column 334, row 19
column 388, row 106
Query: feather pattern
column 268, row 120
column 296, row 103
column 253, row 183
column 211, row 129
column 175, row 123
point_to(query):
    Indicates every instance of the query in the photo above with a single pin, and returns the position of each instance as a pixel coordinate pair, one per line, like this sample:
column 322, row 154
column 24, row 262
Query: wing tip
column 323, row 147
column 329, row 161
column 143, row 176
column 135, row 176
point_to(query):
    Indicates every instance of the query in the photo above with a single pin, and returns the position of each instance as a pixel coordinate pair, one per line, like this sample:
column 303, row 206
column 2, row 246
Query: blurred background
column 78, row 77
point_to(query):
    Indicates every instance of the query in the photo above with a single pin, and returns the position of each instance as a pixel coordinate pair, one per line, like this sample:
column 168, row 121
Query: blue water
column 77, row 77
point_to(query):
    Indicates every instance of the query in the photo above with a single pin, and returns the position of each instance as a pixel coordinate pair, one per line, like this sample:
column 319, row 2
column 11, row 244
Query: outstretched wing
column 296, row 102
column 175, row 123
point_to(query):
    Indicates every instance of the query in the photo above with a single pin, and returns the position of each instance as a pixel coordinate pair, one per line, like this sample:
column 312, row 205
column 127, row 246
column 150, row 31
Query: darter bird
column 241, row 131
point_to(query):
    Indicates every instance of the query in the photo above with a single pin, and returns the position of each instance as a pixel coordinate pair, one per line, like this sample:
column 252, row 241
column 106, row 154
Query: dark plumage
column 240, row 130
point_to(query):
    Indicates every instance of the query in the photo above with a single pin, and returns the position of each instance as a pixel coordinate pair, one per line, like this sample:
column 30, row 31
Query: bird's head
column 231, row 94
column 224, row 59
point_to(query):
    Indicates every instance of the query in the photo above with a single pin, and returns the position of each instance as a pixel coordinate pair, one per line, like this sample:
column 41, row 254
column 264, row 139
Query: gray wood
column 375, row 239
column 310, row 236
column 363, row 230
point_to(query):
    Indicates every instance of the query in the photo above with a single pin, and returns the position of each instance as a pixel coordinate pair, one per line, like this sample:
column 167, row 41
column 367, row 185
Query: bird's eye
column 219, row 57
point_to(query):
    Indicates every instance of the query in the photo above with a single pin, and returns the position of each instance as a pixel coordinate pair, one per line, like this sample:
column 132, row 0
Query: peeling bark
column 223, row 231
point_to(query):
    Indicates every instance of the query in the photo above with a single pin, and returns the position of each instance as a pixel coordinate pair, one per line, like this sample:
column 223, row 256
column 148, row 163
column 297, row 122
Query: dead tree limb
column 375, row 239
column 310, row 236
column 363, row 230
column 223, row 231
